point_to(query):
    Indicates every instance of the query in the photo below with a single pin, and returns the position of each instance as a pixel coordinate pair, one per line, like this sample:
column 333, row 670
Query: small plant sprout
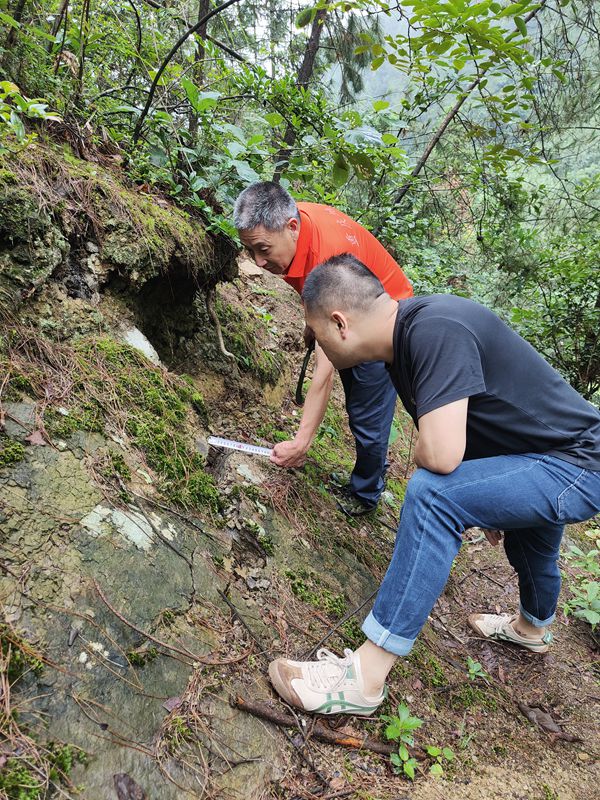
column 476, row 670
column 400, row 729
column 440, row 756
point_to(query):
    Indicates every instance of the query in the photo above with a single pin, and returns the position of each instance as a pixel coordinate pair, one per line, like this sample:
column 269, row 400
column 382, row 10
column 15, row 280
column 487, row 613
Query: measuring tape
column 216, row 441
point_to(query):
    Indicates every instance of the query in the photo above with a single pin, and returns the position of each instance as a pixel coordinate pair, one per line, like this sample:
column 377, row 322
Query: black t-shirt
column 447, row 348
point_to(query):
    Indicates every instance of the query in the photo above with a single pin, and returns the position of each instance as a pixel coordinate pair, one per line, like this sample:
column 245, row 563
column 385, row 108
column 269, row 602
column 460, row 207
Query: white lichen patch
column 136, row 527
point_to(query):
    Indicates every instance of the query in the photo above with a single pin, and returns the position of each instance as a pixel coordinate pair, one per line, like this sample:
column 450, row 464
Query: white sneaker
column 499, row 628
column 329, row 685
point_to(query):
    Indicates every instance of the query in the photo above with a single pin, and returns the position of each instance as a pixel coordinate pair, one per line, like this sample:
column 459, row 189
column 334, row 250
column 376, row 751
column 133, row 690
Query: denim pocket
column 581, row 499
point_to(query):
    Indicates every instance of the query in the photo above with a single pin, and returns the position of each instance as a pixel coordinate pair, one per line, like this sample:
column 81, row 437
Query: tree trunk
column 12, row 32
column 198, row 71
column 304, row 75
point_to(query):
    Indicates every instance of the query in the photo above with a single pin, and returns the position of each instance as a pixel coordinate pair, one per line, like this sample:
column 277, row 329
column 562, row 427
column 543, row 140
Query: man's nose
column 261, row 261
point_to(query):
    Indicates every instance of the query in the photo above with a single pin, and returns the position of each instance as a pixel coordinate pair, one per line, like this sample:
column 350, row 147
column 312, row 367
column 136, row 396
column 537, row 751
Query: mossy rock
column 31, row 245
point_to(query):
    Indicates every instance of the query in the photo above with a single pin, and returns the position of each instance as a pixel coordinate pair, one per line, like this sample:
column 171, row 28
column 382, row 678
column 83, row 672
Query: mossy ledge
column 81, row 223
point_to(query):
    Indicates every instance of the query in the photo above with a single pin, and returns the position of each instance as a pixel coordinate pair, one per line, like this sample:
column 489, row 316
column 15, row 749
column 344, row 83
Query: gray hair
column 341, row 283
column 267, row 204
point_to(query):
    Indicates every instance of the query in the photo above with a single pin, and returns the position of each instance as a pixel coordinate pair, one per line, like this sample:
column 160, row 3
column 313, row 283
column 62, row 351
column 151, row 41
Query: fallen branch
column 319, row 730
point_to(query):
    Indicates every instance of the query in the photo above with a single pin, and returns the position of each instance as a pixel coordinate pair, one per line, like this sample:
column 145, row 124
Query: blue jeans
column 530, row 497
column 370, row 403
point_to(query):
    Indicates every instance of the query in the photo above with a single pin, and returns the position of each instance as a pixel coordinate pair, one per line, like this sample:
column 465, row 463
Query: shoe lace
column 328, row 671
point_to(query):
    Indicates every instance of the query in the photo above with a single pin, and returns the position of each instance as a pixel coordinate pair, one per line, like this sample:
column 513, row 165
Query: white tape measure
column 216, row 441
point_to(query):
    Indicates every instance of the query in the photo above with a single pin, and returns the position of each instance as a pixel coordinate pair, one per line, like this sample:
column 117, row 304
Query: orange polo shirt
column 327, row 232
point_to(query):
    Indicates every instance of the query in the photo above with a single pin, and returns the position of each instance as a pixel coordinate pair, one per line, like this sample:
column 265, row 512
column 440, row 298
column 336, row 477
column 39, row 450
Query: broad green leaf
column 16, row 124
column 403, row 752
column 340, row 172
column 363, row 166
column 522, row 28
column 409, row 768
column 191, row 91
column 434, row 751
column 206, row 100
column 448, row 753
column 245, row 171
column 380, row 105
column 304, row 17
column 389, row 138
column 9, row 88
column 273, row 118
column 436, row 770
column 235, row 148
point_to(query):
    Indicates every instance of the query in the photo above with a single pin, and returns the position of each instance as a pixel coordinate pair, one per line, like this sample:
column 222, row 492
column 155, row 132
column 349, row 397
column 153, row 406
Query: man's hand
column 493, row 537
column 289, row 454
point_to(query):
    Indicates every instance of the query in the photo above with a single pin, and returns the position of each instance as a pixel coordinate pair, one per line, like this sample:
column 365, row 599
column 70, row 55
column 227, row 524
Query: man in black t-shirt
column 505, row 444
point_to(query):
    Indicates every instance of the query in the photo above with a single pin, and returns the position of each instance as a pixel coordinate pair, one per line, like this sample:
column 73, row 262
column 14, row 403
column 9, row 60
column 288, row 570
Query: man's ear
column 341, row 322
column 293, row 225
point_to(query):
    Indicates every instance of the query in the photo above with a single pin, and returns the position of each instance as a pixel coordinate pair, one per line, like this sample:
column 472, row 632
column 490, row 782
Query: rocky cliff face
column 147, row 573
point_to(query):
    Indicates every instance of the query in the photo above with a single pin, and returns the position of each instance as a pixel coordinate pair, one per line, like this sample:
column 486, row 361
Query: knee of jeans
column 422, row 487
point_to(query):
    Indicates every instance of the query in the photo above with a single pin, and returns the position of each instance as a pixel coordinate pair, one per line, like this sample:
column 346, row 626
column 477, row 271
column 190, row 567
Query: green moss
column 139, row 659
column 18, row 781
column 244, row 335
column 398, row 488
column 427, row 667
column 307, row 586
column 469, row 696
column 10, row 452
column 21, row 656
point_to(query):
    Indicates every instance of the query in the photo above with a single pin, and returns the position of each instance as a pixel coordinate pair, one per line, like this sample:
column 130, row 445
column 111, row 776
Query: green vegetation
column 18, row 655
column 400, row 728
column 426, row 666
column 307, row 586
column 32, row 770
column 10, row 451
column 244, row 334
column 584, row 586
column 113, row 385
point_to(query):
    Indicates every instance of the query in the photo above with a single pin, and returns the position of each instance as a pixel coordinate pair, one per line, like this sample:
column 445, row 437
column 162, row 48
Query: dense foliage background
column 465, row 134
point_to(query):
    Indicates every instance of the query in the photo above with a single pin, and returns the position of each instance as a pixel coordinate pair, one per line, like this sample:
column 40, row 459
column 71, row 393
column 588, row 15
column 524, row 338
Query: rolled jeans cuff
column 539, row 623
column 397, row 645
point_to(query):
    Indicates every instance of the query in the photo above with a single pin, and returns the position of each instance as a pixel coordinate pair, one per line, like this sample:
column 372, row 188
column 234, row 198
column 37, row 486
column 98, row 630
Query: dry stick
column 448, row 119
column 319, row 731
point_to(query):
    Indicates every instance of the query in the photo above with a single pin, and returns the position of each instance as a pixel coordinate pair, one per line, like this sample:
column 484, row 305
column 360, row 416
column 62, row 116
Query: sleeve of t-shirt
column 445, row 363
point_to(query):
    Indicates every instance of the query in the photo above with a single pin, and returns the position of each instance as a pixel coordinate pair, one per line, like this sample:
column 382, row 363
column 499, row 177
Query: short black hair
column 342, row 282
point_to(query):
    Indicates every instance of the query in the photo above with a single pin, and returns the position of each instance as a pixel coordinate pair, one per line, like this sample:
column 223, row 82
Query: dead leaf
column 541, row 717
column 36, row 438
column 171, row 703
column 127, row 788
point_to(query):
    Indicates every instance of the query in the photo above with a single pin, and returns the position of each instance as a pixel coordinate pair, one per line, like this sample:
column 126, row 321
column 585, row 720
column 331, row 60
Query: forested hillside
column 146, row 579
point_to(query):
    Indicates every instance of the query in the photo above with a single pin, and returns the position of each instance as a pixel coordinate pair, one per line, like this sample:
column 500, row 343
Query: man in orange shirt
column 290, row 239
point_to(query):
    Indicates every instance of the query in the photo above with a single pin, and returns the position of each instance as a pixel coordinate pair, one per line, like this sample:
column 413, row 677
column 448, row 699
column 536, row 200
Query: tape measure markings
column 230, row 444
